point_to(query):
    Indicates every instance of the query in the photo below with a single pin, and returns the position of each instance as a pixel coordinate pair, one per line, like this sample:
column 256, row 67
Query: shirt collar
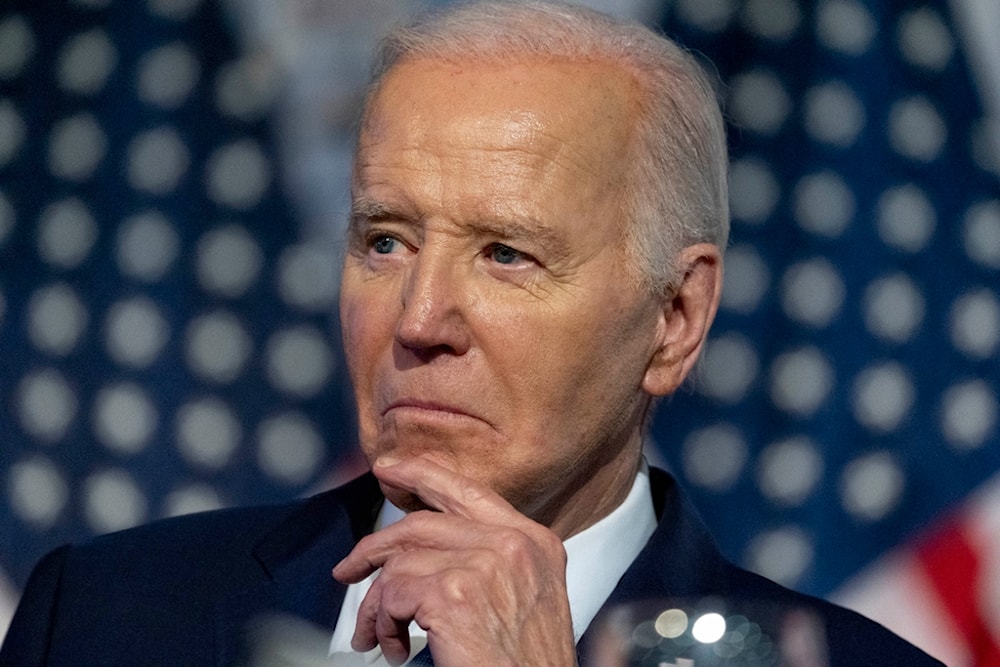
column 597, row 557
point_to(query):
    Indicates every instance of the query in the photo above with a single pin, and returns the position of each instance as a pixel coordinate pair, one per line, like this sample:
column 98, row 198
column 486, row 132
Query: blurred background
column 173, row 183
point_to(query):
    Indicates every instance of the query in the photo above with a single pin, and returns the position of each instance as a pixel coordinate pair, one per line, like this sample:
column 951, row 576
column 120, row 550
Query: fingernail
column 386, row 461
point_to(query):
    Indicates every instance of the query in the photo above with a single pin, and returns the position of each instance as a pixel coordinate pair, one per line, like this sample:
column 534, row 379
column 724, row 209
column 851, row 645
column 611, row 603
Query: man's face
column 489, row 320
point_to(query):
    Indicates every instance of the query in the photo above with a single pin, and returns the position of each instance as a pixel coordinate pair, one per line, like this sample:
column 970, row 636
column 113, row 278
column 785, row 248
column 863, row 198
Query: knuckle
column 553, row 546
column 514, row 545
column 456, row 588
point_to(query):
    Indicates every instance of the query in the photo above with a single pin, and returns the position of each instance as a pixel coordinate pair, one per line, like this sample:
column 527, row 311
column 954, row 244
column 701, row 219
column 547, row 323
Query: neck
column 589, row 496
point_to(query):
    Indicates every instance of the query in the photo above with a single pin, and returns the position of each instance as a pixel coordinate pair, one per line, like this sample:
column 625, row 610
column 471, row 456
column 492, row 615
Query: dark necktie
column 422, row 659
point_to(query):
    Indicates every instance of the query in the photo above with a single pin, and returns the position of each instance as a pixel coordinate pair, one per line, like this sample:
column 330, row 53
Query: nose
column 433, row 319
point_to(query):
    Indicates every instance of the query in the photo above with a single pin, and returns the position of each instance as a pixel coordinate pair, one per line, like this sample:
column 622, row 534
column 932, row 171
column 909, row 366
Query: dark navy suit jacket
column 191, row 590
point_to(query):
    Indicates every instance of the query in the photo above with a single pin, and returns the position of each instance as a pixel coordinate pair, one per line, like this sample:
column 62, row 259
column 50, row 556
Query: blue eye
column 502, row 254
column 384, row 245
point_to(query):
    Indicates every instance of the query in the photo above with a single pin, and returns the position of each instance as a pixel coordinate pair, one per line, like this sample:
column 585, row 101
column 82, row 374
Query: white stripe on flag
column 983, row 528
column 895, row 592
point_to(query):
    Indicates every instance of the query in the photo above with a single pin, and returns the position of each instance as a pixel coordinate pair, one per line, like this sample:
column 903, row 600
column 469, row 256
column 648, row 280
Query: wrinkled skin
column 453, row 571
column 502, row 355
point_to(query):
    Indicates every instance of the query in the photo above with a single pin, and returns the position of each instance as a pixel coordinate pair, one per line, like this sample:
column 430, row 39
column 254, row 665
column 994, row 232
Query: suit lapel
column 295, row 559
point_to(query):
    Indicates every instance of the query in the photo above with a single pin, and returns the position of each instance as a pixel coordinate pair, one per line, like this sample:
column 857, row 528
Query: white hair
column 677, row 193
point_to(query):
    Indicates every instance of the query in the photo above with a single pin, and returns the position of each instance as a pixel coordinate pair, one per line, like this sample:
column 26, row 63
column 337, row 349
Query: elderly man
column 534, row 256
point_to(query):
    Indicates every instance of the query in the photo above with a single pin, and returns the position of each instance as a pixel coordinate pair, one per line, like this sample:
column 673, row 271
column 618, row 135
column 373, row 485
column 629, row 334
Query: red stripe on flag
column 952, row 565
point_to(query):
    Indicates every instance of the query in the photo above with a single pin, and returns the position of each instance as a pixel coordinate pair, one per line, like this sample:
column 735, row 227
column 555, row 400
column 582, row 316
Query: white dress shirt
column 596, row 559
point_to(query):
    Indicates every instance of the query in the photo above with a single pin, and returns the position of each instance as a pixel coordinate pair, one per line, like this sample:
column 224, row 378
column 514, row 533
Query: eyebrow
column 513, row 227
column 516, row 228
column 366, row 208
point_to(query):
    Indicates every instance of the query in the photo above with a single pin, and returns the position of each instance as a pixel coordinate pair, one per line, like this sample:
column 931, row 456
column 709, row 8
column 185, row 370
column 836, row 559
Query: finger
column 383, row 622
column 365, row 638
column 447, row 491
column 391, row 604
column 367, row 556
column 392, row 633
column 415, row 533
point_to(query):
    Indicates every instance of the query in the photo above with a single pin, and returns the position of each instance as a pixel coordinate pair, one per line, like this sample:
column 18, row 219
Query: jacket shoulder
column 163, row 588
column 682, row 560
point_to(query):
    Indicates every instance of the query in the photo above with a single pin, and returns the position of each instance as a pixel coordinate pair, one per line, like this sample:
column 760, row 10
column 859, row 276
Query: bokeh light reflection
column 671, row 623
column 710, row 632
column 709, row 628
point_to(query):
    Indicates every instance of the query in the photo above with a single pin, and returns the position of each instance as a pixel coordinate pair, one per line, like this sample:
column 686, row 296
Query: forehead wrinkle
column 377, row 192
column 569, row 155
column 546, row 140
column 530, row 142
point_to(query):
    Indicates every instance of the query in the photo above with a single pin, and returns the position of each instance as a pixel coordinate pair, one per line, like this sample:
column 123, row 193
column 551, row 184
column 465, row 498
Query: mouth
column 440, row 429
column 423, row 411
column 432, row 407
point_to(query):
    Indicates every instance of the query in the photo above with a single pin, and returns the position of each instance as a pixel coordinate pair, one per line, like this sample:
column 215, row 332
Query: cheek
column 551, row 370
column 352, row 325
column 365, row 326
column 358, row 329
column 592, row 367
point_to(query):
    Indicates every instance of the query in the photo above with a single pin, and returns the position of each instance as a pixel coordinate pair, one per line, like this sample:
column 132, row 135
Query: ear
column 684, row 319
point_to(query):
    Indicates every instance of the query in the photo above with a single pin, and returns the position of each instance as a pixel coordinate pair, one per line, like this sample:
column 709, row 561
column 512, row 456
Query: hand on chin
column 406, row 499
column 486, row 583
column 404, row 442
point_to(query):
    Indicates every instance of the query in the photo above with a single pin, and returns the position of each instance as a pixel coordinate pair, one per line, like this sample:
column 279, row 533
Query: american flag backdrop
column 167, row 335
column 169, row 171
column 848, row 404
